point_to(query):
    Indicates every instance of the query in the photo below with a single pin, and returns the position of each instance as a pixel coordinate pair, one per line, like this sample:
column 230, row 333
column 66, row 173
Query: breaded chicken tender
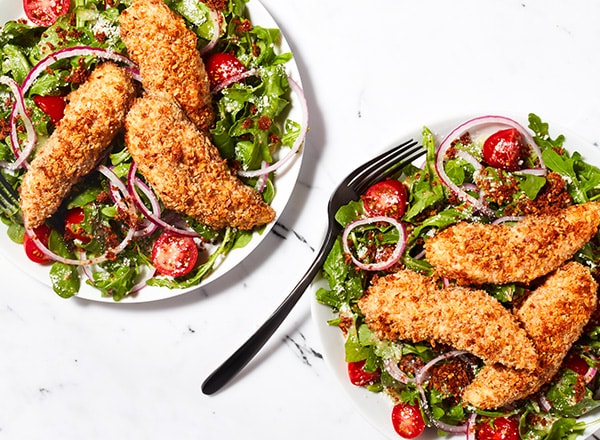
column 93, row 116
column 410, row 306
column 185, row 168
column 553, row 316
column 159, row 42
column 474, row 253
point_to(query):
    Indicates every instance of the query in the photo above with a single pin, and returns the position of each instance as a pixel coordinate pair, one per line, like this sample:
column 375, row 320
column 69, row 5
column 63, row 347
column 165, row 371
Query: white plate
column 377, row 407
column 285, row 181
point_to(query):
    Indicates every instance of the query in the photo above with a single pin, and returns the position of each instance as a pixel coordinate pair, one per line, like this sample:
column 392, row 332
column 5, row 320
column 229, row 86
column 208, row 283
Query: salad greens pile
column 237, row 132
column 553, row 412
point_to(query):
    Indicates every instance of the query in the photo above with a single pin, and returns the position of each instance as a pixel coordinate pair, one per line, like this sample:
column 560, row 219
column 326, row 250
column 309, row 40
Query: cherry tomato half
column 387, row 198
column 408, row 420
column 32, row 251
column 73, row 228
column 576, row 363
column 53, row 106
column 504, row 149
column 359, row 377
column 45, row 12
column 221, row 67
column 174, row 255
column 502, row 428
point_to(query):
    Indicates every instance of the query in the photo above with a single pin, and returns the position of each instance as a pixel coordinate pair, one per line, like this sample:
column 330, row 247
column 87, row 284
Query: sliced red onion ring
column 233, row 79
column 541, row 172
column 261, row 183
column 215, row 18
column 149, row 226
column 471, row 424
column 399, row 248
column 154, row 217
column 391, row 366
column 590, row 374
column 421, row 375
column 299, row 140
column 467, row 126
column 117, row 189
column 508, row 218
column 150, row 273
column 446, row 427
column 19, row 110
column 470, row 159
column 81, row 262
column 420, row 255
column 69, row 52
column 80, row 253
column 545, row 403
column 420, row 378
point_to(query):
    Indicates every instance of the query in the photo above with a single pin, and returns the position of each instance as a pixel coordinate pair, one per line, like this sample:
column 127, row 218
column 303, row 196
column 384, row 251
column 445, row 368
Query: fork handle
column 240, row 358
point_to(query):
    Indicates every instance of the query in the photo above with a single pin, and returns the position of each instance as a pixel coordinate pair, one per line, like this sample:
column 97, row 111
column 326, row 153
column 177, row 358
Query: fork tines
column 388, row 163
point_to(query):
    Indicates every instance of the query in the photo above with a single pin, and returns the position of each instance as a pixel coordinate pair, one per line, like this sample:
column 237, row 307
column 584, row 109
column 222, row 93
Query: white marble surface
column 74, row 369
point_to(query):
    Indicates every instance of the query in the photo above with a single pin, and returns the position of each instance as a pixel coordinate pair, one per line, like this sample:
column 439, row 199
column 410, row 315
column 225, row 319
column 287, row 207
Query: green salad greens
column 238, row 133
column 554, row 175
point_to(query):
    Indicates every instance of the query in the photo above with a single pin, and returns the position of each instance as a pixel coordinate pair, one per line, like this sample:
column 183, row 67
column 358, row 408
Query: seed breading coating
column 474, row 253
column 409, row 306
column 185, row 168
column 554, row 316
column 93, row 116
column 164, row 49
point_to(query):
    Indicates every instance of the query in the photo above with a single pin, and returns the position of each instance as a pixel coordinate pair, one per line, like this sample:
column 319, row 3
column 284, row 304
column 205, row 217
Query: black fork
column 9, row 199
column 356, row 183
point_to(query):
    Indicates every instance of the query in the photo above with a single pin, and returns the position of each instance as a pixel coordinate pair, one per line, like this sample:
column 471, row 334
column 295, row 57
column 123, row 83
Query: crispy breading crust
column 93, row 116
column 554, row 316
column 409, row 306
column 164, row 49
column 474, row 253
column 185, row 169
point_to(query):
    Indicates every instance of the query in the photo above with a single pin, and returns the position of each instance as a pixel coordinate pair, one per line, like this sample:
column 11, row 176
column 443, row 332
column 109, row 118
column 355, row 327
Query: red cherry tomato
column 174, row 255
column 222, row 67
column 53, row 106
column 504, row 149
column 32, row 251
column 408, row 420
column 576, row 363
column 73, row 227
column 502, row 428
column 387, row 198
column 45, row 12
column 360, row 377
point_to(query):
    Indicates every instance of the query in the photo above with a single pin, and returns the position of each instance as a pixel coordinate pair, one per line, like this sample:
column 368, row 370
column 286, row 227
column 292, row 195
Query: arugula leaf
column 583, row 179
column 197, row 15
column 531, row 185
column 565, row 398
column 65, row 279
column 565, row 166
column 345, row 284
column 425, row 187
column 542, row 134
column 15, row 62
column 117, row 281
column 349, row 212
